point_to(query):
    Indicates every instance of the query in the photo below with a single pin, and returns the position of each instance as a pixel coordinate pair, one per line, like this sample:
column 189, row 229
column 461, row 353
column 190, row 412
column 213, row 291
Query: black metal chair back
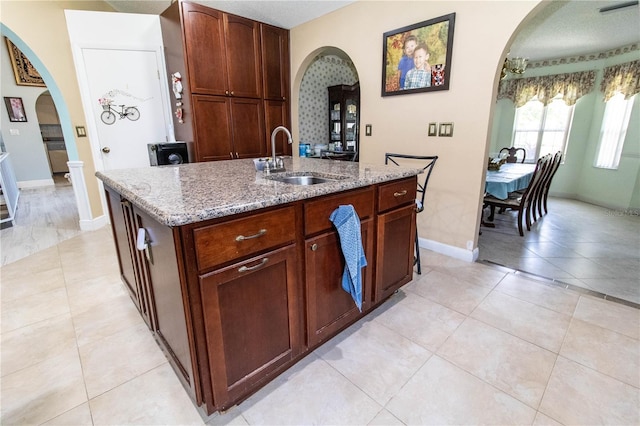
column 512, row 156
column 428, row 162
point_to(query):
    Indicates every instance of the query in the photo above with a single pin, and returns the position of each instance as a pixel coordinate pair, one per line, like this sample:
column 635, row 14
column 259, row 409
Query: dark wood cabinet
column 329, row 307
column 275, row 62
column 395, row 236
column 252, row 322
column 234, row 301
column 277, row 114
column 154, row 280
column 228, row 128
column 235, row 61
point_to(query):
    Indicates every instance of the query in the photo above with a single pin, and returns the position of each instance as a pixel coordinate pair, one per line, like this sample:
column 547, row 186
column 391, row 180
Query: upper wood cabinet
column 223, row 52
column 275, row 62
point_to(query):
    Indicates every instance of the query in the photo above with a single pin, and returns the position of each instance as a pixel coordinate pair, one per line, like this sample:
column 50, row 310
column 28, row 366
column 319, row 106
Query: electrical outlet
column 367, row 130
column 433, row 129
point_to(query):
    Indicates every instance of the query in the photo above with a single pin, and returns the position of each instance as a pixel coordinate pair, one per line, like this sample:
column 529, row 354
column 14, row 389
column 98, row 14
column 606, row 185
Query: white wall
column 577, row 177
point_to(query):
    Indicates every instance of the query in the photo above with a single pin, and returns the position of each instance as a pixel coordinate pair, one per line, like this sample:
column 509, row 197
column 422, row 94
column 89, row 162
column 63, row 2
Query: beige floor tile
column 539, row 293
column 90, row 294
column 603, row 350
column 449, row 291
column 509, row 363
column 38, row 280
column 385, row 418
column 441, row 393
column 153, row 398
column 373, row 373
column 43, row 260
column 34, row 308
column 475, row 273
column 543, row 420
column 116, row 359
column 34, row 343
column 577, row 395
column 611, row 315
column 530, row 322
column 103, row 320
column 80, row 415
column 311, row 392
column 425, row 322
column 231, row 417
column 43, row 391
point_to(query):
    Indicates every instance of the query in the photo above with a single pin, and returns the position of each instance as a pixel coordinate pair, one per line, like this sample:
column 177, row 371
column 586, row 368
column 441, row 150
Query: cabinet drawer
column 316, row 213
column 223, row 242
column 396, row 194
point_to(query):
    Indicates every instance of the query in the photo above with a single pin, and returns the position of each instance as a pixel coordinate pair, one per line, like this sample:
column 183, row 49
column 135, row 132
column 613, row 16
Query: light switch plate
column 433, row 129
column 446, row 129
column 367, row 130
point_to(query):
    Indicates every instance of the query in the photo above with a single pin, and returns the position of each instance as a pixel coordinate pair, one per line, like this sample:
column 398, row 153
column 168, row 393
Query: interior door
column 126, row 104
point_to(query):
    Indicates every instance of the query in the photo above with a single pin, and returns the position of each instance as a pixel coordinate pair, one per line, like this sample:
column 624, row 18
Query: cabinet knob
column 232, row 93
column 106, row 150
column 314, row 247
column 226, row 92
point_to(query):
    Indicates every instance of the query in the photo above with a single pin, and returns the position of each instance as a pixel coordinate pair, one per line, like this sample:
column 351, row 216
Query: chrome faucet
column 277, row 165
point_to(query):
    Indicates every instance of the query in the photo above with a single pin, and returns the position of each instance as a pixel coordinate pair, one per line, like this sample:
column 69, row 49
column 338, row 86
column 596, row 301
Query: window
column 540, row 129
column 613, row 131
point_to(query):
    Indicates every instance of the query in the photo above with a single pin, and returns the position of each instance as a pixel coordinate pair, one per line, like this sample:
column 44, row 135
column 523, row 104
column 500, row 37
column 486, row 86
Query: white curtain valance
column 572, row 86
column 623, row 78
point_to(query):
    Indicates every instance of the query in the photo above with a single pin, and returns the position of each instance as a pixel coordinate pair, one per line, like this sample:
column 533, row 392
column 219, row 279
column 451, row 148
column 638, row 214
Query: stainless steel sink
column 306, row 179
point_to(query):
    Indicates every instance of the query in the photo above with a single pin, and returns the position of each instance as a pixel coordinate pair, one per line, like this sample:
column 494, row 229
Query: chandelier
column 513, row 66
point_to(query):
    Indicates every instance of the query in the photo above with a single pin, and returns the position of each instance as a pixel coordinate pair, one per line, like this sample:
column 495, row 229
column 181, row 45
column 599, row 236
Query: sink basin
column 305, row 179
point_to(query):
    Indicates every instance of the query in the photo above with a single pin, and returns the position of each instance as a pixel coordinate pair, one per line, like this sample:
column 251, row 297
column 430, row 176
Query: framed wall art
column 15, row 109
column 23, row 70
column 417, row 58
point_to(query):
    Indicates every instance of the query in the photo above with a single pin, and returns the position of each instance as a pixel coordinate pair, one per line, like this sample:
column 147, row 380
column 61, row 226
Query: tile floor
column 461, row 344
column 576, row 243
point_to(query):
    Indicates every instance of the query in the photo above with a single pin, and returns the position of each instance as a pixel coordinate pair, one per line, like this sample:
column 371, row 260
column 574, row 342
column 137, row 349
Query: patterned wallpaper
column 313, row 112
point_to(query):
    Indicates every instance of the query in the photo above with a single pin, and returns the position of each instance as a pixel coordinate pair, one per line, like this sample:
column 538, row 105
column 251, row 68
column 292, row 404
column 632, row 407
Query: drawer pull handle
column 259, row 234
column 251, row 268
column 400, row 194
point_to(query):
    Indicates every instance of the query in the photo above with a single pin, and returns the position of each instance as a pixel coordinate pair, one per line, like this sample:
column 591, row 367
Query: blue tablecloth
column 511, row 177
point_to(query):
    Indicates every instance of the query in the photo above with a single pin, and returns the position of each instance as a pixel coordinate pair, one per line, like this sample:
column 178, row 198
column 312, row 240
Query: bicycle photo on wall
column 111, row 111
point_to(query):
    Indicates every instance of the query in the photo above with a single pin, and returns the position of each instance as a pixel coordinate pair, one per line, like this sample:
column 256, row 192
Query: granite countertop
column 187, row 193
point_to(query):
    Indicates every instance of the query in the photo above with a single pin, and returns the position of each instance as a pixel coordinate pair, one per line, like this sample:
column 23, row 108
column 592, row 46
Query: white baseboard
column 93, row 224
column 451, row 251
column 35, row 183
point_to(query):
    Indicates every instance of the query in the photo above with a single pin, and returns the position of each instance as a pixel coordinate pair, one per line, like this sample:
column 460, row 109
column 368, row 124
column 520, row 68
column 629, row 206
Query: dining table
column 509, row 178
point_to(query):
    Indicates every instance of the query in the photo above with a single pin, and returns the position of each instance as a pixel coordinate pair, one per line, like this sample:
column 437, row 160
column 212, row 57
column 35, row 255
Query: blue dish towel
column 346, row 221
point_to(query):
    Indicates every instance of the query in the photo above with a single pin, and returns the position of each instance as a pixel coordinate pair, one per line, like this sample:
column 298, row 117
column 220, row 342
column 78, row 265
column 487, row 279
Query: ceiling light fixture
column 514, row 66
column 618, row 6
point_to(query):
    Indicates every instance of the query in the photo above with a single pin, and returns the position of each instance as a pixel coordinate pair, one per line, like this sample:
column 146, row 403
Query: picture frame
column 432, row 43
column 23, row 70
column 15, row 109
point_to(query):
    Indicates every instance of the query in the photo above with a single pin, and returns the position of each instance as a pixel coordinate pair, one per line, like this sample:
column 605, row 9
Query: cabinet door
column 212, row 120
column 247, row 122
column 205, row 49
column 396, row 239
column 329, row 307
column 277, row 114
column 242, row 37
column 252, row 322
column 275, row 62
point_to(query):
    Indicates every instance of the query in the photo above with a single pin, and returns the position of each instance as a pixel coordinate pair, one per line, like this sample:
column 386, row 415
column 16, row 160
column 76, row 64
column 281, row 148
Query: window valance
column 572, row 86
column 623, row 78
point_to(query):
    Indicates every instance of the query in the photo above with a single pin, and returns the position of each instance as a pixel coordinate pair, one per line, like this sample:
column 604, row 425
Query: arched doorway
column 326, row 67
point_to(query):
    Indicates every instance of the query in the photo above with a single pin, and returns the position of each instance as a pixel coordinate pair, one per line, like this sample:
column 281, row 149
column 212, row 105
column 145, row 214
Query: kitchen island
column 238, row 274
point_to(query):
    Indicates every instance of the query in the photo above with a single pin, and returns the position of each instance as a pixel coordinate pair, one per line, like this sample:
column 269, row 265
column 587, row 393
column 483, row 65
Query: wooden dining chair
column 512, row 156
column 423, row 180
column 521, row 202
column 544, row 192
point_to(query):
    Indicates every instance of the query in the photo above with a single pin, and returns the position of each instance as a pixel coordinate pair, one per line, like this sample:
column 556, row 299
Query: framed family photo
column 417, row 58
column 15, row 109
